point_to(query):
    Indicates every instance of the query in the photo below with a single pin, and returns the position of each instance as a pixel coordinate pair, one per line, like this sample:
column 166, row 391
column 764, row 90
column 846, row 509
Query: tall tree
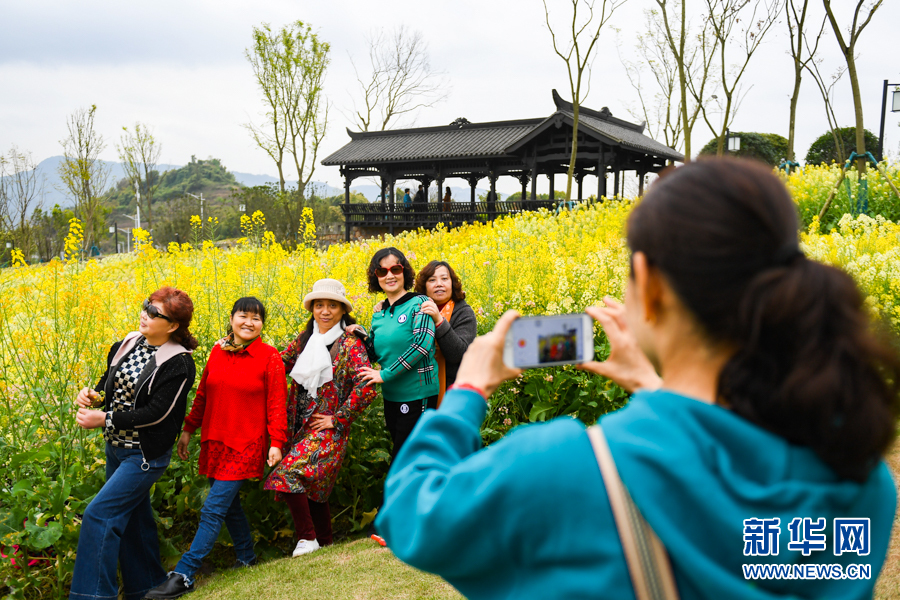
column 84, row 176
column 578, row 54
column 848, row 49
column 400, row 78
column 740, row 25
column 139, row 152
column 801, row 53
column 289, row 67
column 693, row 51
column 21, row 188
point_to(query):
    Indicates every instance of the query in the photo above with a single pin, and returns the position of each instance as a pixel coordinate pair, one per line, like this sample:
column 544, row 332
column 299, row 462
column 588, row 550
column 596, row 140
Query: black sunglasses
column 153, row 312
column 395, row 269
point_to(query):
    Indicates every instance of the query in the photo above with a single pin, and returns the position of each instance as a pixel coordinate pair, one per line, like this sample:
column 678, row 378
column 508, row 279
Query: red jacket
column 241, row 397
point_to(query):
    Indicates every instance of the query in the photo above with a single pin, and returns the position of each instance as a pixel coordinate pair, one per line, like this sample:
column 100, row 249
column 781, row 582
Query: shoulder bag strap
column 648, row 561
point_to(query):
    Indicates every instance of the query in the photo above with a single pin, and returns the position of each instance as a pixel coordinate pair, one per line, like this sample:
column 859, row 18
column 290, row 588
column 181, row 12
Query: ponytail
column 808, row 364
column 810, row 368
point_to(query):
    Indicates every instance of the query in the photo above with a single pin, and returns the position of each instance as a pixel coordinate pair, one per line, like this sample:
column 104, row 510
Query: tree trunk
column 858, row 111
column 798, row 76
column 575, row 110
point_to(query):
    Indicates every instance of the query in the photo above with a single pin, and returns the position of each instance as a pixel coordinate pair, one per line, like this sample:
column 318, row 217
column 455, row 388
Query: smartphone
column 546, row 341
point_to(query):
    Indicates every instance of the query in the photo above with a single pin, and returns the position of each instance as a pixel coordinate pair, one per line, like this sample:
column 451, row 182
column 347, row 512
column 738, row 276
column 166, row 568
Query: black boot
column 173, row 587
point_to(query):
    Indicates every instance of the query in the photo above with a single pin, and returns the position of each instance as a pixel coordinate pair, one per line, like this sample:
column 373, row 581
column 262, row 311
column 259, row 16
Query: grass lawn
column 356, row 569
column 362, row 569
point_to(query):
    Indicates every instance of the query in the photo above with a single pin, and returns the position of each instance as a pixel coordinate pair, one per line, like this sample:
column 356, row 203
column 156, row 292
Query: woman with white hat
column 327, row 393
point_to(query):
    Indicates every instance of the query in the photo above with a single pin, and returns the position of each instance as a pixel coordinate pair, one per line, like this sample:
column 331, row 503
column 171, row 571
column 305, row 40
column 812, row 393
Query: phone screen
column 548, row 340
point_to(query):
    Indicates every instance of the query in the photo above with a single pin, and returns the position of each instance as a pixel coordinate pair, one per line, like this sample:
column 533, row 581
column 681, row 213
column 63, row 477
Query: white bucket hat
column 327, row 289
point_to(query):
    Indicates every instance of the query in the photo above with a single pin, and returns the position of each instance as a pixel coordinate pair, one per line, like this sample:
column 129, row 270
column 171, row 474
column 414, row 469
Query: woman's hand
column 352, row 329
column 320, row 422
column 86, row 398
column 274, row 456
column 371, row 375
column 482, row 365
column 90, row 419
column 626, row 365
column 430, row 308
column 378, row 307
column 182, row 447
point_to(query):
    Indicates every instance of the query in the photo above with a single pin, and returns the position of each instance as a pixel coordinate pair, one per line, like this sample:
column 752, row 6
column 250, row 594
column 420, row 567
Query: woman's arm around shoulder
column 170, row 388
column 454, row 339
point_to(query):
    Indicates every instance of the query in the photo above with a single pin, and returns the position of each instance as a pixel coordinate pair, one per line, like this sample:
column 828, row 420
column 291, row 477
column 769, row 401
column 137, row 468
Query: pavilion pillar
column 392, row 183
column 616, row 183
column 523, row 179
column 640, row 183
column 580, row 179
column 550, row 176
column 492, row 197
column 473, row 181
column 601, row 176
column 423, row 218
column 347, row 180
column 440, row 196
column 534, row 175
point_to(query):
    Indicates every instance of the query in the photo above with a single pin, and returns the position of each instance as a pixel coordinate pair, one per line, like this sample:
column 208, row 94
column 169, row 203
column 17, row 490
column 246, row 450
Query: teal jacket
column 402, row 342
column 528, row 517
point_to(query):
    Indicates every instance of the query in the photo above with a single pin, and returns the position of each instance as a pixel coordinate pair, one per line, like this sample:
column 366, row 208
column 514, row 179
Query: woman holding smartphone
column 402, row 342
column 240, row 409
column 145, row 387
column 759, row 441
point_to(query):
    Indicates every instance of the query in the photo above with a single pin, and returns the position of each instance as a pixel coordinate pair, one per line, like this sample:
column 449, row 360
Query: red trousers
column 312, row 520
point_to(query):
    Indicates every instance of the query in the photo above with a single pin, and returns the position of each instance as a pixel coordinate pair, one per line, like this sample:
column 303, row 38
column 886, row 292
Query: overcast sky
column 180, row 67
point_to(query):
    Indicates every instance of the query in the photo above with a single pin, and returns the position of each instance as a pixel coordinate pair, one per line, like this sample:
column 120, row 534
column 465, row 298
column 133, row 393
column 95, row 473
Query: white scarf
column 313, row 367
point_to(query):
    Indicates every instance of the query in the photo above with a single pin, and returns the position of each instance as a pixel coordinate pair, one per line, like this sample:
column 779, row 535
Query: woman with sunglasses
column 145, row 389
column 402, row 342
column 240, row 408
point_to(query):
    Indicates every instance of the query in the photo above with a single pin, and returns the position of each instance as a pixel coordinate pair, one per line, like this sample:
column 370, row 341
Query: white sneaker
column 305, row 547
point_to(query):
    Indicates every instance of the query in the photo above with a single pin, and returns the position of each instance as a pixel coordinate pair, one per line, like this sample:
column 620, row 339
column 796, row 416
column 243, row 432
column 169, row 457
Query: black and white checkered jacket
column 161, row 399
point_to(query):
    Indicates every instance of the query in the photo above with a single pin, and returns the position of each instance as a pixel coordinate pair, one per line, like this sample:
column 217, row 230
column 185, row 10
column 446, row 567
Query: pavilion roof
column 464, row 140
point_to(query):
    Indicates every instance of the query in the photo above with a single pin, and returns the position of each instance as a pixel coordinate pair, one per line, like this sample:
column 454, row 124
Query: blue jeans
column 118, row 528
column 222, row 505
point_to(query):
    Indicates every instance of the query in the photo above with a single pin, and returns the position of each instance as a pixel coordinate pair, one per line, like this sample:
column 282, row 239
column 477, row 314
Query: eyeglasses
column 382, row 272
column 153, row 312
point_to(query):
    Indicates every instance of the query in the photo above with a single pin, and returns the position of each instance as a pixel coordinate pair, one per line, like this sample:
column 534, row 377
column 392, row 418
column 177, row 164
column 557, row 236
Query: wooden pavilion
column 524, row 149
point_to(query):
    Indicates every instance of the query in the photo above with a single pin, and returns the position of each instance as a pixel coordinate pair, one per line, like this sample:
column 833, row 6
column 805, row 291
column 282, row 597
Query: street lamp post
column 732, row 142
column 115, row 229
column 895, row 107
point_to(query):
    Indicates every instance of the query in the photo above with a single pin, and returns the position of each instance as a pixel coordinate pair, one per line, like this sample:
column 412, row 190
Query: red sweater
column 241, row 398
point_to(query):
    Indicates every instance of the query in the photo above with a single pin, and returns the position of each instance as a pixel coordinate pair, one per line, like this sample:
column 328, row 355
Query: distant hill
column 53, row 189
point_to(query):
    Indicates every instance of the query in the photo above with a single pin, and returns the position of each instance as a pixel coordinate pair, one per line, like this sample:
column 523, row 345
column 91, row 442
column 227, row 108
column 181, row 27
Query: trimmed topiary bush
column 769, row 148
column 823, row 151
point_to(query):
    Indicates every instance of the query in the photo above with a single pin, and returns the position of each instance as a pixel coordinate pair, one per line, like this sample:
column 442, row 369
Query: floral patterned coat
column 313, row 459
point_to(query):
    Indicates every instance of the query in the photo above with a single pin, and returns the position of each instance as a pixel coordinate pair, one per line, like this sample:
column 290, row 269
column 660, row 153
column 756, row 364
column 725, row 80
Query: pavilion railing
column 430, row 214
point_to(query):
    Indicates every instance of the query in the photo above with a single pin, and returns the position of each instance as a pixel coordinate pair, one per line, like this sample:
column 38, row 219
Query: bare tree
column 578, row 54
column 21, row 189
column 693, row 51
column 84, row 176
column 802, row 55
column 826, row 89
column 289, row 67
column 139, row 152
column 848, row 49
column 662, row 111
column 742, row 25
column 400, row 80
